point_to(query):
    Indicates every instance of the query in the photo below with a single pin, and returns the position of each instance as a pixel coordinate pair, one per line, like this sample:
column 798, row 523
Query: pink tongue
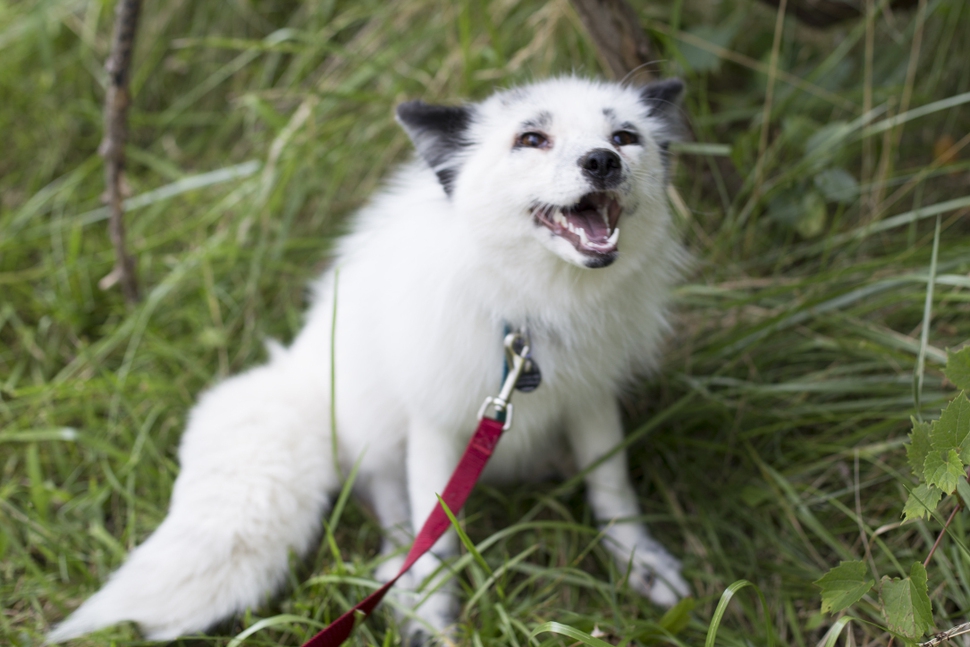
column 592, row 222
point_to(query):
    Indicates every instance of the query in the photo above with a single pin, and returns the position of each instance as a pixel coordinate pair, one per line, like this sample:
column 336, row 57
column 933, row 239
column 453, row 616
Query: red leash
column 460, row 485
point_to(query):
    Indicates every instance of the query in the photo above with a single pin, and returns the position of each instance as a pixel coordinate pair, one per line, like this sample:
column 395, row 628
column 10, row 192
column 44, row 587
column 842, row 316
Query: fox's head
column 568, row 163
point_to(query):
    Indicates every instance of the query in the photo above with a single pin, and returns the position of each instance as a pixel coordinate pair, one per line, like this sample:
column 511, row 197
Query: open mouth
column 590, row 224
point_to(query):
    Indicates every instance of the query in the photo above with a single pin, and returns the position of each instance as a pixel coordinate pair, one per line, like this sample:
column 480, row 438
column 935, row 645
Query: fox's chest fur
column 436, row 305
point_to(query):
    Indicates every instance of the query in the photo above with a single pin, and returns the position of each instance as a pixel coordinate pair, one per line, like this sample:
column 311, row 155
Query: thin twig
column 769, row 96
column 112, row 147
column 891, row 145
column 959, row 630
column 939, row 538
column 867, row 97
column 914, row 52
column 944, row 636
column 866, row 541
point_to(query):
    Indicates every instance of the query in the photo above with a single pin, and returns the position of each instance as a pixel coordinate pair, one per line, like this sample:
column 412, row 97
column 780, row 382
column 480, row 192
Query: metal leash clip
column 518, row 361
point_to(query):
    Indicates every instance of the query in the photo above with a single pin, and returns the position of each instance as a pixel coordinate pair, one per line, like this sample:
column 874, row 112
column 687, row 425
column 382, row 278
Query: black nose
column 602, row 166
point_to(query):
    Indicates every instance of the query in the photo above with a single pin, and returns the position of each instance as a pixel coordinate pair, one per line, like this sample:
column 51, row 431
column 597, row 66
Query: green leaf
column 921, row 502
column 919, row 447
column 800, row 208
column 811, row 223
column 463, row 537
column 952, row 430
column 906, row 605
column 273, row 621
column 958, row 368
column 40, row 496
column 844, row 585
column 677, row 617
column 837, row 185
column 673, row 622
column 722, row 607
column 944, row 469
column 571, row 632
column 921, row 599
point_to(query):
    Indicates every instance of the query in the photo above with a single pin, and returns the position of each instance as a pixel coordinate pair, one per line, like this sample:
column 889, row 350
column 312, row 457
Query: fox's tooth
column 615, row 236
column 560, row 219
column 604, row 214
column 582, row 237
column 570, row 227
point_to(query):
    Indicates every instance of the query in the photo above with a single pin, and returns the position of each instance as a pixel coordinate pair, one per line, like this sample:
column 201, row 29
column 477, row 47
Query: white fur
column 426, row 283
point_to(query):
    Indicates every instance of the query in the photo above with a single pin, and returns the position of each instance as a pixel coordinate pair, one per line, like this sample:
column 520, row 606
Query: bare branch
column 112, row 147
column 944, row 636
column 621, row 42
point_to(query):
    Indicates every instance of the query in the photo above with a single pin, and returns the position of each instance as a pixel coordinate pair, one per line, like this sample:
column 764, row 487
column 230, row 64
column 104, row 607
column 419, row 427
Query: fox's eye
column 625, row 138
column 532, row 140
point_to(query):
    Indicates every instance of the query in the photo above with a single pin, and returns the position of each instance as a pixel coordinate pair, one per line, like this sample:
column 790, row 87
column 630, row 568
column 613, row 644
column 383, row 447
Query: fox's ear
column 661, row 96
column 662, row 99
column 439, row 134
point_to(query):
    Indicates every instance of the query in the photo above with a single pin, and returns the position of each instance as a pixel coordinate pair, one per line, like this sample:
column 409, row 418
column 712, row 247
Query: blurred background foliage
column 768, row 448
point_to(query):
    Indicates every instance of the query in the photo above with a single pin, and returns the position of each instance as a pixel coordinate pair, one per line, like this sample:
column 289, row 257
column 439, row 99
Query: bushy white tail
column 256, row 473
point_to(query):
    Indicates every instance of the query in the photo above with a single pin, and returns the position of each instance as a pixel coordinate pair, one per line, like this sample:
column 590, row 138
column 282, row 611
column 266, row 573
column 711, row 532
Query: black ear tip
column 676, row 85
column 667, row 91
column 408, row 110
column 430, row 118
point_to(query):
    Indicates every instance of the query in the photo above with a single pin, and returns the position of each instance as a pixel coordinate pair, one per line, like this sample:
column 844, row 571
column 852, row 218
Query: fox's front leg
column 594, row 428
column 431, row 458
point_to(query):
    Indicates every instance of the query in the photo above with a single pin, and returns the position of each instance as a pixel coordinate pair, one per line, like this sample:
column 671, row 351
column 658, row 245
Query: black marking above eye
column 532, row 139
column 624, row 138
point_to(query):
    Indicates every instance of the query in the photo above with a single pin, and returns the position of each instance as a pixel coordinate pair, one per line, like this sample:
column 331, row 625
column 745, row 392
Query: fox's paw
column 655, row 574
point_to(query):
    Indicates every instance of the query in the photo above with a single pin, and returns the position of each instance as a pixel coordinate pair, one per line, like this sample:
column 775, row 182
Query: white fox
column 510, row 217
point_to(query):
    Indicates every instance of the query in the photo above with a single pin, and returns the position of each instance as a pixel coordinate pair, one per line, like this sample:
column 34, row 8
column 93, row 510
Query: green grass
column 770, row 445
